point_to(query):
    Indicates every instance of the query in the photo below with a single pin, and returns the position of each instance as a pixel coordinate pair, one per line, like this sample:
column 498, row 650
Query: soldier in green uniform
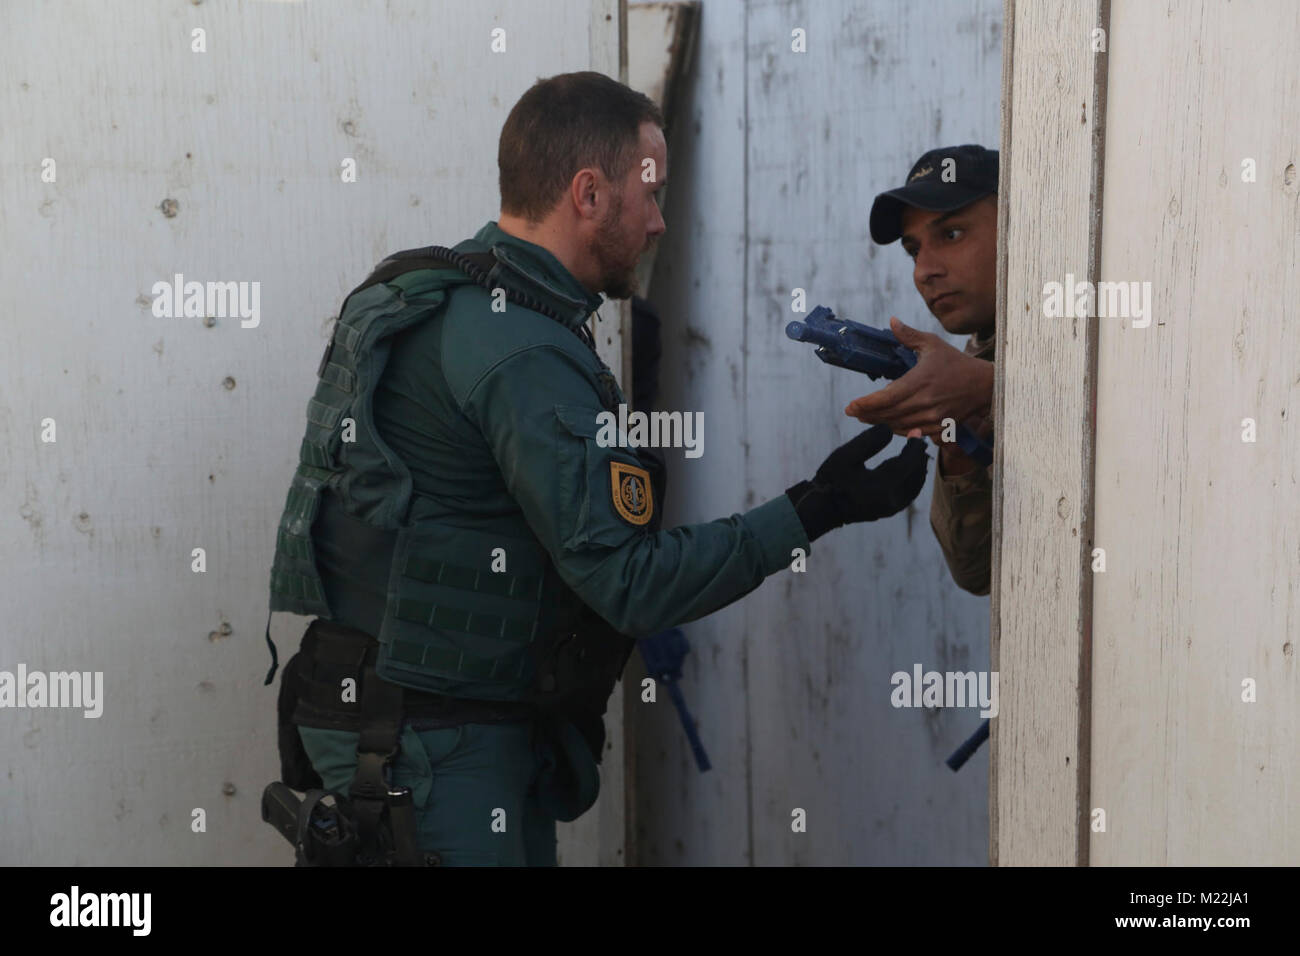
column 478, row 562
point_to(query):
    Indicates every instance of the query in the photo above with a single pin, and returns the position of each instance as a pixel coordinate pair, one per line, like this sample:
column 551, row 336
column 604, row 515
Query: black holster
column 295, row 768
column 375, row 824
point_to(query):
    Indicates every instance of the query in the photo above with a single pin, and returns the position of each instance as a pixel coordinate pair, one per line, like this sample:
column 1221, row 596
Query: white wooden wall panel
column 1040, row 634
column 155, row 455
column 779, row 157
column 1199, row 527
column 684, row 817
column 1201, row 530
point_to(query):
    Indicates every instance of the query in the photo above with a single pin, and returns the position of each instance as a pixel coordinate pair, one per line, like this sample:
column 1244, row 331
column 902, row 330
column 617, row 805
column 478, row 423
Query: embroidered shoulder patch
column 630, row 488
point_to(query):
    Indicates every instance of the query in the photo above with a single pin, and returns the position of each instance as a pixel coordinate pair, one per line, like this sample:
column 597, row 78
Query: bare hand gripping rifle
column 876, row 353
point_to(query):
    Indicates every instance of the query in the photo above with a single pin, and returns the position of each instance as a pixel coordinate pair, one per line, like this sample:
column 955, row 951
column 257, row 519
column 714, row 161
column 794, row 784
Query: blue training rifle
column 972, row 744
column 876, row 353
column 664, row 654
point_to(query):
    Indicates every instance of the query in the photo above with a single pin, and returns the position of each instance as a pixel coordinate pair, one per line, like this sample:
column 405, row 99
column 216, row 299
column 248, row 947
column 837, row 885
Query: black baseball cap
column 974, row 174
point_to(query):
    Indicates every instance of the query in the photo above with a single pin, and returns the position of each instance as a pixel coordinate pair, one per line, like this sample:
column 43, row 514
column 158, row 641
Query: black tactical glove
column 843, row 491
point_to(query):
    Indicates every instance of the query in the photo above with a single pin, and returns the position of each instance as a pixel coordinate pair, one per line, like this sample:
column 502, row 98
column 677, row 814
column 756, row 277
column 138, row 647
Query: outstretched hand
column 844, row 491
column 944, row 383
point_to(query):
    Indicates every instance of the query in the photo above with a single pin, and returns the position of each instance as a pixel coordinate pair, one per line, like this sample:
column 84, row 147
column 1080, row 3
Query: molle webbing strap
column 377, row 747
column 334, row 652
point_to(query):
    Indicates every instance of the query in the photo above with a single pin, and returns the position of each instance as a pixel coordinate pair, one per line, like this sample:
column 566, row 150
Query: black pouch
column 567, row 782
column 296, row 770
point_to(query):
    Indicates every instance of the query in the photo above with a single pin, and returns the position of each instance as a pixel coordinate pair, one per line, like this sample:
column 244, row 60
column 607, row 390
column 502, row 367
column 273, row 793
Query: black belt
column 332, row 652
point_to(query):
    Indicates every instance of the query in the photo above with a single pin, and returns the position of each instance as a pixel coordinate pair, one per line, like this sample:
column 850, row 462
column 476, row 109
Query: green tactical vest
column 451, row 625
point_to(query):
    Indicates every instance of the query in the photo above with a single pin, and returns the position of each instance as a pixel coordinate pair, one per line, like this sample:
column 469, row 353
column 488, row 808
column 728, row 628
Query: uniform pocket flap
column 579, row 420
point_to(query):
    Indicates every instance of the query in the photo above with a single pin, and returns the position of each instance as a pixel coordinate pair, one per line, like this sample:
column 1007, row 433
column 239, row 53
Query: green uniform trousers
column 474, row 788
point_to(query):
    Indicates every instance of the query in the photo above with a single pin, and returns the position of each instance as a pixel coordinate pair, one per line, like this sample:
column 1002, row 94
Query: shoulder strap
column 411, row 260
column 477, row 265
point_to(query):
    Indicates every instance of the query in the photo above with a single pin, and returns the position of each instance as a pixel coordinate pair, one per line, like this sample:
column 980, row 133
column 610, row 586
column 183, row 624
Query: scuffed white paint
column 172, row 435
column 772, row 174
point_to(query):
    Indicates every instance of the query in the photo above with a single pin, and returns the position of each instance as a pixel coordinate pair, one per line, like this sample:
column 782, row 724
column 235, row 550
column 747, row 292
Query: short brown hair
column 564, row 124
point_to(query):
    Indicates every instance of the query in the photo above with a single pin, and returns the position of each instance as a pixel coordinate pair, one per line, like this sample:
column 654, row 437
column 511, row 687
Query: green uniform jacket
column 494, row 413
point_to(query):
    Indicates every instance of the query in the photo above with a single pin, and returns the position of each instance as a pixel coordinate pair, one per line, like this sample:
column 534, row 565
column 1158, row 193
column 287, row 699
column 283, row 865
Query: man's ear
column 583, row 189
